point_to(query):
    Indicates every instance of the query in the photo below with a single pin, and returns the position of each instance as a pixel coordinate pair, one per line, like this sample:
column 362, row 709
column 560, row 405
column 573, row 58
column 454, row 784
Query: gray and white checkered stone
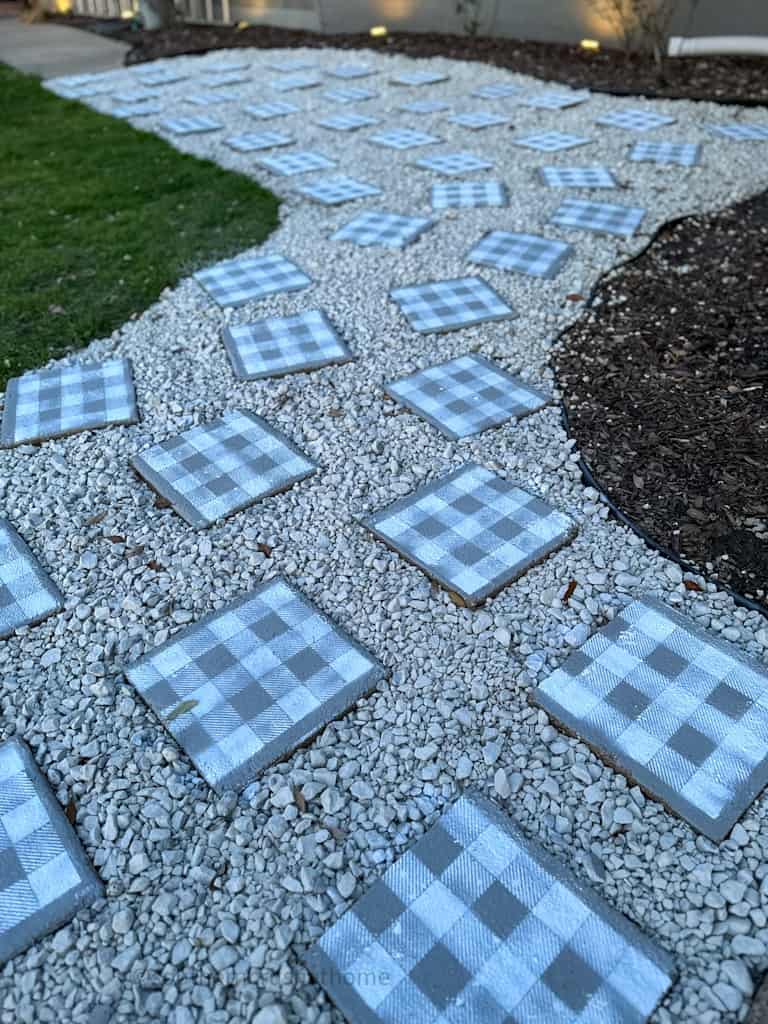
column 478, row 119
column 468, row 194
column 213, row 470
column 606, row 218
column 635, row 120
column 473, row 532
column 418, row 78
column 296, row 162
column 453, row 163
column 466, row 396
column 347, row 122
column 437, row 306
column 27, row 594
column 477, row 923
column 45, row 877
column 377, row 227
column 266, row 111
column 235, row 282
column 425, row 107
column 250, row 142
column 529, row 254
column 285, row 344
column 338, row 189
column 349, row 94
column 685, row 154
column 496, row 91
column 553, row 100
column 192, row 125
column 550, row 142
column 680, row 711
column 67, row 399
column 740, row 132
column 252, row 681
column 403, row 138
column 595, row 176
column 351, row 70
column 292, row 82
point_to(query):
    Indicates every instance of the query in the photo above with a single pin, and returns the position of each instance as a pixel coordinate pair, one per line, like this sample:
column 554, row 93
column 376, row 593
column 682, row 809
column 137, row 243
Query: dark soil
column 666, row 388
column 733, row 79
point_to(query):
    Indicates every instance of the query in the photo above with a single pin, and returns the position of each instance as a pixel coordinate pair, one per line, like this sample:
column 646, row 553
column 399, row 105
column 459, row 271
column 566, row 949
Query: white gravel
column 210, row 900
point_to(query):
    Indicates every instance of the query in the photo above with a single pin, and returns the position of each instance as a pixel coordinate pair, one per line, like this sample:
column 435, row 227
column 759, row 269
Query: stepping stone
column 496, row 91
column 136, row 110
column 403, row 138
column 291, row 82
column 349, row 94
column 45, row 877
column 472, row 532
column 67, row 399
column 212, row 471
column 425, row 107
column 477, row 923
column 224, row 67
column 235, row 282
column 634, row 120
column 190, row 125
column 438, row 306
column 686, row 154
column 249, row 142
column 453, row 163
column 418, row 78
column 160, row 76
column 351, row 71
column 679, row 711
column 606, row 218
column 554, row 100
column 218, row 79
column 84, row 92
column 266, row 111
column 297, row 162
column 374, row 227
column 478, row 119
column 338, row 189
column 550, row 142
column 469, row 194
column 466, row 396
column 212, row 99
column 130, row 97
column 289, row 66
column 577, row 177
column 530, row 254
column 27, row 595
column 740, row 132
column 280, row 345
column 347, row 122
column 249, row 683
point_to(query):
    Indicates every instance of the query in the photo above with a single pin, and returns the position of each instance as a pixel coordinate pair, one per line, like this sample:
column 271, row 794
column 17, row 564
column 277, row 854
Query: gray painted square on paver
column 634, row 120
column 377, row 227
column 27, row 594
column 285, row 344
column 251, row 142
column 349, row 94
column 528, row 254
column 473, row 532
column 45, row 878
column 469, row 194
column 235, row 282
column 550, row 142
column 351, row 70
column 290, row 66
column 418, row 78
column 213, row 470
column 684, row 154
column 347, row 122
column 437, row 306
column 453, row 163
column 477, row 119
column 740, row 132
column 595, row 176
column 496, row 91
column 297, row 162
column 136, row 110
column 221, row 79
column 192, row 125
column 155, row 77
column 477, row 923
column 403, row 138
column 266, row 111
column 466, row 395
column 553, row 100
column 249, row 683
column 212, row 99
column 338, row 189
column 425, row 107
column 293, row 82
column 52, row 403
column 604, row 218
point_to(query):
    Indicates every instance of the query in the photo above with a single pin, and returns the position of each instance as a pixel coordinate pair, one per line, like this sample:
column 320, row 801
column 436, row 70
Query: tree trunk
column 157, row 13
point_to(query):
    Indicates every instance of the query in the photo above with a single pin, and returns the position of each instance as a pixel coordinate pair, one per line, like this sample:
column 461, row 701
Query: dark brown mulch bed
column 666, row 390
column 737, row 79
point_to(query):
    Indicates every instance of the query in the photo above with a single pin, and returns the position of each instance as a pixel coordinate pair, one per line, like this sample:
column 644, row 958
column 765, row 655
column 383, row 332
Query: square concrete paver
column 214, row 470
column 45, row 404
column 297, row 162
column 351, row 70
column 553, row 100
column 634, row 120
column 477, row 923
column 466, row 396
column 425, row 107
column 529, row 254
column 681, row 712
column 496, row 91
column 286, row 344
column 266, row 111
column 126, row 111
column 454, row 164
column 347, row 122
column 235, row 282
column 469, row 194
column 376, row 227
column 403, row 138
column 684, row 154
column 472, row 532
column 212, row 99
column 740, row 132
column 349, row 94
column 45, row 878
column 595, row 176
column 155, row 77
column 222, row 79
column 418, row 78
column 438, row 306
column 289, row 66
column 293, row 82
column 478, row 119
column 338, row 189
column 27, row 595
column 604, row 218
column 192, row 125
column 251, row 142
column 249, row 683
column 550, row 142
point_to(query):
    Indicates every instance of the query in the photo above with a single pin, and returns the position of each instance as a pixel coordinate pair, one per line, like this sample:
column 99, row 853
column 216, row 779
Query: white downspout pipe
column 711, row 46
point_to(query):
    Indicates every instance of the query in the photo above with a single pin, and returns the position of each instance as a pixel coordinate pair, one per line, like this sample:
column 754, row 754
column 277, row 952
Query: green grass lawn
column 96, row 218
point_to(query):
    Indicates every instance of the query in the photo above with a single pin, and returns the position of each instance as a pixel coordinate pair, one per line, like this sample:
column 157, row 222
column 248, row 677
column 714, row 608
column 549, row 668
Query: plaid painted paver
column 155, row 77
column 425, row 107
column 437, row 306
column 740, row 132
column 266, row 111
column 403, row 138
column 529, row 254
column 27, row 595
column 577, row 177
column 634, row 120
column 604, row 218
column 496, row 91
column 338, row 189
column 418, row 78
column 347, row 122
column 252, row 142
column 235, row 282
column 296, row 162
column 126, row 111
column 550, row 142
column 222, row 79
column 212, row 99
column 351, row 70
column 249, row 683
column 478, row 119
column 292, row 82
column 376, row 227
column 349, row 94
column 454, row 164
column 192, row 125
column 553, row 100
column 280, row 345
column 468, row 194
column 684, row 154
column 288, row 66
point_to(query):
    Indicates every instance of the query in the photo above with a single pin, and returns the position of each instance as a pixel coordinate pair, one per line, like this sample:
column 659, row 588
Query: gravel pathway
column 210, row 900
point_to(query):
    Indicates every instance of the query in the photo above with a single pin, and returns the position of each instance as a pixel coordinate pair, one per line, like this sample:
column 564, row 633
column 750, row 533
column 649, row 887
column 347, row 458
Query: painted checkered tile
column 131, row 96
column 222, row 79
column 67, row 399
column 437, row 306
column 349, row 94
column 468, row 194
column 160, row 76
column 297, row 162
column 27, row 595
column 418, row 78
column 466, row 396
column 249, row 683
column 477, row 923
column 496, row 91
column 681, row 712
column 289, row 66
column 135, row 110
column 250, row 142
column 212, row 99
column 45, row 878
column 291, row 82
column 285, row 344
column 596, row 176
column 376, row 227
column 740, row 132
column 214, row 470
column 425, row 107
column 190, row 125
column 685, row 154
column 347, row 122
column 351, row 70
column 605, row 218
column 454, row 163
column 634, row 120
column 338, row 189
column 551, row 142
column 403, row 138
column 266, row 111
column 529, row 254
column 235, row 282
column 472, row 531
column 553, row 100
column 226, row 67
column 478, row 119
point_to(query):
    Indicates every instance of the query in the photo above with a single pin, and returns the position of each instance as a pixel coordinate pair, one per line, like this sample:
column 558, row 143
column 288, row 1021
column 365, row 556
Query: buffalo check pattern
column 250, row 142
column 635, row 120
column 553, row 100
column 266, row 111
column 685, row 154
column 454, row 163
column 347, row 122
column 529, row 254
column 235, row 282
column 466, row 396
column 419, row 78
column 425, row 107
column 496, row 91
column 438, row 306
column 349, row 94
column 45, row 878
column 292, row 82
column 402, row 138
column 469, row 194
column 214, row 470
column 472, row 532
column 478, row 119
column 285, row 344
column 297, row 162
column 683, row 713
column 551, row 142
column 192, row 125
column 376, row 227
column 740, row 132
column 53, row 403
column 27, row 595
column 249, row 683
column 477, row 923
column 595, row 176
column 605, row 218
column 338, row 189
